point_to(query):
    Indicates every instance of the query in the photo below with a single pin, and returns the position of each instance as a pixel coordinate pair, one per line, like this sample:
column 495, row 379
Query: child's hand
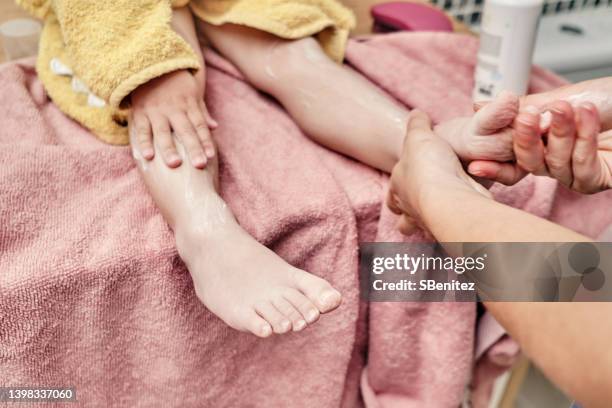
column 487, row 134
column 173, row 103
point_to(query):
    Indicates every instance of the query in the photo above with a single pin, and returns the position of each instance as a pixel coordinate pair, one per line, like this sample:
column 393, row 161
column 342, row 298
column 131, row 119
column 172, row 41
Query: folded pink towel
column 93, row 294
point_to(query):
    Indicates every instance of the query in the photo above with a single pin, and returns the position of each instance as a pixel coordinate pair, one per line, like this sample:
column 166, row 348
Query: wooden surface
column 517, row 378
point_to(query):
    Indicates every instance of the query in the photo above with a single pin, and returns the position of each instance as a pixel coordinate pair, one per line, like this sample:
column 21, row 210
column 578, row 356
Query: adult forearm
column 458, row 214
column 569, row 341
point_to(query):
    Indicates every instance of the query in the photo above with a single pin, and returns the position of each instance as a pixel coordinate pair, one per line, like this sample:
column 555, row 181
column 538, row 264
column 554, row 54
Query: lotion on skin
column 507, row 40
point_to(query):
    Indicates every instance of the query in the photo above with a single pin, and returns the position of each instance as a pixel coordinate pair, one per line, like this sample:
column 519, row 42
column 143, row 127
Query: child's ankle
column 454, row 133
column 207, row 217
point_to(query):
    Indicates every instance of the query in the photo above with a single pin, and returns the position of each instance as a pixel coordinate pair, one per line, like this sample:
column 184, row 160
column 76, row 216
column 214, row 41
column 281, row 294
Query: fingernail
column 477, row 172
column 299, row 325
column 174, row 159
column 210, row 152
column 531, row 109
column 148, row 153
column 199, row 161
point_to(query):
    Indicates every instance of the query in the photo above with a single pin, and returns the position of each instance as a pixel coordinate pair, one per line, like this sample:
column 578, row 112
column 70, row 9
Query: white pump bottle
column 507, row 39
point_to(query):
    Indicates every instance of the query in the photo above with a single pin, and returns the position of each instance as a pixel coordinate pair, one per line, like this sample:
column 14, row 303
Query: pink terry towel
column 93, row 294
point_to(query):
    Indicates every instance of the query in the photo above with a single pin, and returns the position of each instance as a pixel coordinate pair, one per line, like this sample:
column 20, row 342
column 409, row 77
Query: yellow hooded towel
column 93, row 54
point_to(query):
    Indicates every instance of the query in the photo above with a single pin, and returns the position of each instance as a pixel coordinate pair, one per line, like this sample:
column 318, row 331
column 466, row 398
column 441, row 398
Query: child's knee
column 290, row 61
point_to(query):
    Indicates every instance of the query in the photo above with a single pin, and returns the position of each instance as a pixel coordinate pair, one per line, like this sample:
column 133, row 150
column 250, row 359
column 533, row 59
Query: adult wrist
column 441, row 196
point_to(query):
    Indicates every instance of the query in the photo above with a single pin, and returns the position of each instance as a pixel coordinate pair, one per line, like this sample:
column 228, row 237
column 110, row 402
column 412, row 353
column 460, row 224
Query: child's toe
column 257, row 325
column 308, row 310
column 280, row 324
column 290, row 312
column 318, row 291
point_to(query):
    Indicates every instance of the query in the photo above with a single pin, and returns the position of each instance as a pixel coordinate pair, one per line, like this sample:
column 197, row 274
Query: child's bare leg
column 344, row 111
column 334, row 105
column 241, row 281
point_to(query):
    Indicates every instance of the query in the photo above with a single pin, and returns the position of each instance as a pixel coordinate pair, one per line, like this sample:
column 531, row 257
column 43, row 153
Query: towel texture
column 328, row 20
column 93, row 294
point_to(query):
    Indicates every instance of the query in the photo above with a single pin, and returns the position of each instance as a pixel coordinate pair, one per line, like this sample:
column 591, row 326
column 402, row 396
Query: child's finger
column 163, row 140
column 505, row 173
column 196, row 115
column 188, row 137
column 561, row 142
column 528, row 145
column 144, row 137
column 587, row 172
column 210, row 121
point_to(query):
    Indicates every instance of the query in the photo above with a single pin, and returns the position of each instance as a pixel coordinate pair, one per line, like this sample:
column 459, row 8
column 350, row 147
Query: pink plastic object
column 402, row 16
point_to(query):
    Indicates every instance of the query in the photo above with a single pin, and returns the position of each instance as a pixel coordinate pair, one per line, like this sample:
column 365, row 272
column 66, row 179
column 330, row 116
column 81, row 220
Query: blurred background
column 574, row 37
column 574, row 40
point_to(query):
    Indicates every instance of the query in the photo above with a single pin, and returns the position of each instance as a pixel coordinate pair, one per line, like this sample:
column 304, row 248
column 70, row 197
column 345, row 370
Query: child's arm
column 114, row 46
column 127, row 48
column 175, row 103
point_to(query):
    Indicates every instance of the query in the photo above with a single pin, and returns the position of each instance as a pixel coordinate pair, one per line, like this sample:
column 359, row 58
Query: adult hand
column 427, row 164
column 575, row 152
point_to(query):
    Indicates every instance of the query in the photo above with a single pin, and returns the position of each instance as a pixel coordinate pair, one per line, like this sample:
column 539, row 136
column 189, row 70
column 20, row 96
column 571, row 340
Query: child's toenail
column 312, row 315
column 266, row 330
column 330, row 298
column 299, row 325
column 285, row 325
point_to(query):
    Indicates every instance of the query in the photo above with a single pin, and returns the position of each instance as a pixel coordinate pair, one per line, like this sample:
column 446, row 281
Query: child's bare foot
column 487, row 134
column 244, row 283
